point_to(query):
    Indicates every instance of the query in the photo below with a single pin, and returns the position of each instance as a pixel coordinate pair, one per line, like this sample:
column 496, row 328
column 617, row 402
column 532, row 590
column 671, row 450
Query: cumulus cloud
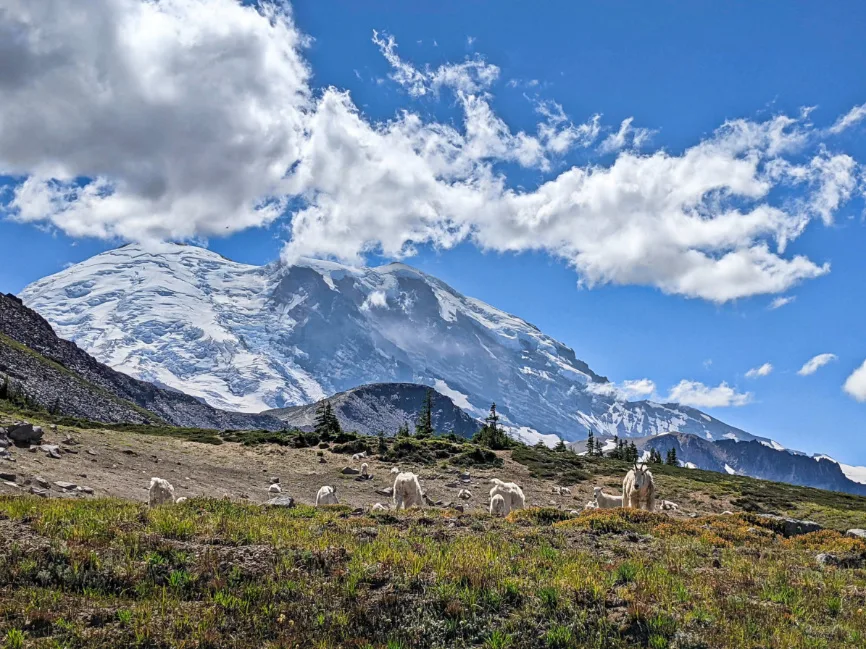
column 763, row 370
column 193, row 118
column 815, row 363
column 849, row 119
column 149, row 120
column 781, row 301
column 698, row 395
column 628, row 390
column 855, row 385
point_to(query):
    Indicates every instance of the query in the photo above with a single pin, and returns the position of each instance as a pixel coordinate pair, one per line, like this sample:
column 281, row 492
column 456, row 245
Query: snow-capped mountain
column 252, row 338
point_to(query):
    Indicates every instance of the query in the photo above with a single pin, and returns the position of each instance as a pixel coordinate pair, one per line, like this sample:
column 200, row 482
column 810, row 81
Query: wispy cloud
column 781, row 301
column 764, row 370
column 849, row 119
column 698, row 395
column 815, row 363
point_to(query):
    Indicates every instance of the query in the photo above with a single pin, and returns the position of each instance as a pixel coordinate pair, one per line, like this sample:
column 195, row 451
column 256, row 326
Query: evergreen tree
column 491, row 435
column 382, row 446
column 632, row 453
column 327, row 426
column 424, row 426
column 672, row 457
column 333, row 423
column 655, row 457
column 590, row 443
column 560, row 446
column 403, row 431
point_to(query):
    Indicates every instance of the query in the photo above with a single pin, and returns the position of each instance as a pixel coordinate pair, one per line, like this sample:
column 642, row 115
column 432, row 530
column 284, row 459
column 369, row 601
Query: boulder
column 42, row 493
column 66, row 486
column 839, row 560
column 347, row 470
column 388, row 491
column 89, row 490
column 8, row 477
column 281, row 501
column 457, row 508
column 41, row 482
column 51, row 451
column 275, row 480
column 856, row 533
column 789, row 527
column 25, row 434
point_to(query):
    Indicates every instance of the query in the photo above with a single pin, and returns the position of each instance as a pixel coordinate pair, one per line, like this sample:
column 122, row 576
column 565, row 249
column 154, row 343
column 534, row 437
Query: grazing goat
column 605, row 501
column 499, row 506
column 512, row 493
column 638, row 488
column 379, row 507
column 365, row 470
column 181, row 500
column 275, row 489
column 160, row 492
column 464, row 494
column 394, row 470
column 327, row 496
column 407, row 491
column 668, row 505
column 590, row 505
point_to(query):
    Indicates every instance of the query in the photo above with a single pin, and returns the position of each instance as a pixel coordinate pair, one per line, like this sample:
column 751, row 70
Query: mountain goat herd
column 638, row 492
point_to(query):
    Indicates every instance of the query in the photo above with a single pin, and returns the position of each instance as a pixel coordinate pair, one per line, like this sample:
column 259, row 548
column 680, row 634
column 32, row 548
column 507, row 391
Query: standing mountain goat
column 407, row 491
column 365, row 472
column 510, row 491
column 638, row 488
column 160, row 493
column 499, row 506
column 327, row 496
column 606, row 501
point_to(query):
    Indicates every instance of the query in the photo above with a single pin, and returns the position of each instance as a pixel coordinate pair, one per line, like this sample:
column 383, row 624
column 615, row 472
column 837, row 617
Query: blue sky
column 679, row 71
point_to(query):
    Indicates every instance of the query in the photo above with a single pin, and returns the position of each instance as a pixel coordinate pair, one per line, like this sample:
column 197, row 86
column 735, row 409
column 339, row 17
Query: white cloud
column 763, row 370
column 146, row 120
column 193, row 118
column 781, row 301
column 814, row 364
column 855, row 385
column 625, row 137
column 849, row 119
column 698, row 395
column 628, row 390
column 376, row 299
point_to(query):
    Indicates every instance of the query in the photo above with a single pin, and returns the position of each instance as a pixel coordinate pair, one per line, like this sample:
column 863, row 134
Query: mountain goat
column 638, row 488
column 605, row 501
column 499, row 506
column 407, row 491
column 510, row 491
column 160, row 493
column 327, row 496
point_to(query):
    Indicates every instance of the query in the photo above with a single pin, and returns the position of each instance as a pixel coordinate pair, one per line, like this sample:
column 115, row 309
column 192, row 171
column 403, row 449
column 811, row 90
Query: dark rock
column 42, row 482
column 129, row 451
column 66, row 486
column 275, row 480
column 42, row 493
column 69, row 440
column 789, row 527
column 388, row 491
column 9, row 477
column 25, row 434
column 839, row 561
column 322, row 460
column 856, row 533
column 51, row 451
column 347, row 470
column 281, row 501
column 458, row 508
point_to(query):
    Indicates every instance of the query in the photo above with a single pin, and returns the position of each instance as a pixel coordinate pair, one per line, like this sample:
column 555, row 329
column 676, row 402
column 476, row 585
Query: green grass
column 211, row 573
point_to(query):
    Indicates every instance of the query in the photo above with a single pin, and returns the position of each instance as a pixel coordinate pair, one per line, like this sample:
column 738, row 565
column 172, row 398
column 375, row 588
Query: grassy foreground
column 211, row 573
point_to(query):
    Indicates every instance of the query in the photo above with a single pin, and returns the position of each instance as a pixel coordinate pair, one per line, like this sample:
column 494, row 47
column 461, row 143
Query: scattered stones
column 25, row 434
column 51, row 451
column 322, row 460
column 69, row 440
column 42, row 482
column 281, row 501
column 90, row 451
column 839, row 561
column 453, row 485
column 347, row 470
column 66, row 486
column 10, row 484
column 86, row 490
column 42, row 493
column 388, row 491
column 458, row 508
column 789, row 527
column 129, row 451
column 856, row 533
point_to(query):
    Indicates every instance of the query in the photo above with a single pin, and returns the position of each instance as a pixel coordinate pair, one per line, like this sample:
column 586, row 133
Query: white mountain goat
column 327, row 496
column 275, row 489
column 499, row 506
column 512, row 493
column 379, row 507
column 668, row 505
column 638, row 488
column 590, row 505
column 181, row 500
column 394, row 470
column 365, row 470
column 407, row 491
column 464, row 494
column 160, row 492
column 605, row 501
column 359, row 456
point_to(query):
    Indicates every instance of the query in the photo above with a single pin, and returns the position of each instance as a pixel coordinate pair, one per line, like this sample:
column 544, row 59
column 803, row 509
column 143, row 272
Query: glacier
column 251, row 338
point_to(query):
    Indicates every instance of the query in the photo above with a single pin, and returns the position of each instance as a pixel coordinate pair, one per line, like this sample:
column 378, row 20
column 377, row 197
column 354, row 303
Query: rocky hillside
column 253, row 338
column 385, row 407
column 56, row 375
column 752, row 458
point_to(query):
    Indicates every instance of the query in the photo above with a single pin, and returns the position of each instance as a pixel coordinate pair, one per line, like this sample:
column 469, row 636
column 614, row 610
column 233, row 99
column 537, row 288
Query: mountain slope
column 254, row 338
column 757, row 460
column 384, row 407
column 57, row 375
